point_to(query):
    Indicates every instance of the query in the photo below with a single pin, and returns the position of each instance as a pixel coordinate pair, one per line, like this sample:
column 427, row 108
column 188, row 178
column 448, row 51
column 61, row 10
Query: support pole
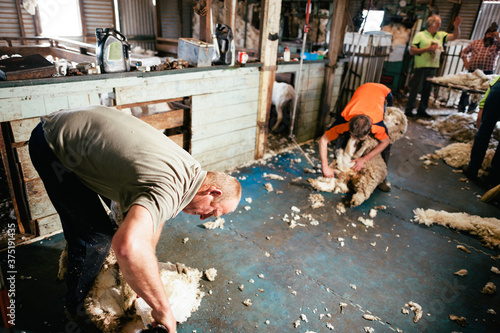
column 337, row 31
column 271, row 11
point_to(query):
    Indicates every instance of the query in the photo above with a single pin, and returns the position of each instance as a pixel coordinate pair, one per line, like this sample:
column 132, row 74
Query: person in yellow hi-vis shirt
column 427, row 46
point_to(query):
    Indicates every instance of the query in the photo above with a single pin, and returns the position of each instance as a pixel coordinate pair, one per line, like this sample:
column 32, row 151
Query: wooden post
column 271, row 11
column 21, row 21
column 337, row 31
column 205, row 28
column 231, row 7
column 84, row 21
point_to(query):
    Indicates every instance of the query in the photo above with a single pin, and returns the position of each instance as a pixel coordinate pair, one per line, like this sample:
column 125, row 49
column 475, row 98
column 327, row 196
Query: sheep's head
column 396, row 123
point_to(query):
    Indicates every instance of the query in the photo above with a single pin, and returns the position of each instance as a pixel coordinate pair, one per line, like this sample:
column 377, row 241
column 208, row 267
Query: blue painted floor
column 305, row 269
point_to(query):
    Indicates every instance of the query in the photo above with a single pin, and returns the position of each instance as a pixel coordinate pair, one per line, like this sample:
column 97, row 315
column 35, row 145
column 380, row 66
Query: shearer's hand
column 359, row 164
column 328, row 172
column 166, row 318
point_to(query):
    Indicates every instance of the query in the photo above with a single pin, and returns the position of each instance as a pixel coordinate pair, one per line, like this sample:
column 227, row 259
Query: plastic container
column 286, row 54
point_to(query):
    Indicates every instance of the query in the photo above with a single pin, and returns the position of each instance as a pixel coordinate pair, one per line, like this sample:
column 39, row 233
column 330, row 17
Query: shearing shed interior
column 249, row 88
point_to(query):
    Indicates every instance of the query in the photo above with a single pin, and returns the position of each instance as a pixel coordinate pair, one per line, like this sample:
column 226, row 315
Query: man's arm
column 134, row 246
column 456, row 31
column 323, row 154
column 464, row 55
column 416, row 51
column 360, row 162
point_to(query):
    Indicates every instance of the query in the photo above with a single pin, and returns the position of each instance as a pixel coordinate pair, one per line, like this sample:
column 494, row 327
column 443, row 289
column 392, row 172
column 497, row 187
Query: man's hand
column 166, row 318
column 359, row 163
column 328, row 172
column 433, row 47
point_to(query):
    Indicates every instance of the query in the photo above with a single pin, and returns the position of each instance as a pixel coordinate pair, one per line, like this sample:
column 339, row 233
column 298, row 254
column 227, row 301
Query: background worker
column 487, row 119
column 480, row 54
column 86, row 154
column 363, row 115
column 427, row 46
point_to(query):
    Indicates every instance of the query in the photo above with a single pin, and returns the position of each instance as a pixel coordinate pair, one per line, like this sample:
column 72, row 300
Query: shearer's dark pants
column 489, row 119
column 87, row 227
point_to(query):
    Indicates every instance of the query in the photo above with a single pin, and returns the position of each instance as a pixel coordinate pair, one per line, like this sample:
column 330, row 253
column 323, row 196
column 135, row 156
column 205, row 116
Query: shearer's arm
column 134, row 245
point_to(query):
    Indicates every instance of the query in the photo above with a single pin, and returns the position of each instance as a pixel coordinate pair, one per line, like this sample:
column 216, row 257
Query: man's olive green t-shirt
column 124, row 159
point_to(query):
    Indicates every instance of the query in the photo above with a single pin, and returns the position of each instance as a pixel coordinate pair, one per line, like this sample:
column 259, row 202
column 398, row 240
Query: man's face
column 435, row 26
column 204, row 206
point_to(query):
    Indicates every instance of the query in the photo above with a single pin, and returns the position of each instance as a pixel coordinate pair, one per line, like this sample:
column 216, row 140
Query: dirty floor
column 306, row 270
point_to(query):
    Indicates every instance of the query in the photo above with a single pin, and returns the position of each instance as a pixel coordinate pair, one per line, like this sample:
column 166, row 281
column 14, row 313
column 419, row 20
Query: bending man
column 86, row 154
column 363, row 115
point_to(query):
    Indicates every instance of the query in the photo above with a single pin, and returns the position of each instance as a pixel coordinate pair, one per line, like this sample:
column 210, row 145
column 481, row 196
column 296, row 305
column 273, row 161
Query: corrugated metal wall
column 137, row 22
column 9, row 21
column 490, row 12
column 170, row 17
column 97, row 14
column 468, row 12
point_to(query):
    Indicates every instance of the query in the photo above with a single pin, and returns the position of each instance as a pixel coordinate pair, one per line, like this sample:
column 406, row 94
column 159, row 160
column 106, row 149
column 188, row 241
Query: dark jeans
column 464, row 98
column 419, row 82
column 86, row 225
column 489, row 119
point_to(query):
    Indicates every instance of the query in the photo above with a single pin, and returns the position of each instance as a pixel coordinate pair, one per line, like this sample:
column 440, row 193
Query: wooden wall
column 223, row 119
column 310, row 97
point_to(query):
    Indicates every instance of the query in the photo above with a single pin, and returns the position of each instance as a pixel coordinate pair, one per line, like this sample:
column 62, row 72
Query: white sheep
column 283, row 94
column 364, row 182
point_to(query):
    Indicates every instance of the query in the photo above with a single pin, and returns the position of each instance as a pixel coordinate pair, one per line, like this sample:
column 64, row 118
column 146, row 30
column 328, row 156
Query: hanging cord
column 361, row 30
column 299, row 79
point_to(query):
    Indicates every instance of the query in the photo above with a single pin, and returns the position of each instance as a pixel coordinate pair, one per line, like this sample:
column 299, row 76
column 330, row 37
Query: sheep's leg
column 279, row 112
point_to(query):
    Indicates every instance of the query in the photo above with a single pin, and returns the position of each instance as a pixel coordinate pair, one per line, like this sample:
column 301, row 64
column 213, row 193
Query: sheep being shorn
column 363, row 183
column 112, row 305
column 486, row 228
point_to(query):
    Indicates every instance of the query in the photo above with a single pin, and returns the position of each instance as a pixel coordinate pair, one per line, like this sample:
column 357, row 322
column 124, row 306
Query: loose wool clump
column 486, row 228
column 374, row 172
column 476, row 79
column 457, row 155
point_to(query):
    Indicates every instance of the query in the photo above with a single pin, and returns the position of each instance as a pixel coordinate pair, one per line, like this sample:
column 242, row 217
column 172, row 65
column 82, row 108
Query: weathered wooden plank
column 49, row 224
column 210, row 116
column 165, row 120
column 28, row 170
column 226, row 165
column 166, row 90
column 77, row 100
column 223, row 99
column 178, row 138
column 227, row 126
column 10, row 109
column 101, row 85
column 38, row 200
column 222, row 140
column 225, row 153
column 33, row 107
column 57, row 103
column 21, row 129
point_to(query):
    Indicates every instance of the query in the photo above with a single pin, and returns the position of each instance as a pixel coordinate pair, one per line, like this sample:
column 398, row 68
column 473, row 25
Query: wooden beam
column 205, row 24
column 271, row 12
column 336, row 42
column 230, row 14
column 83, row 20
column 20, row 20
column 14, row 180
